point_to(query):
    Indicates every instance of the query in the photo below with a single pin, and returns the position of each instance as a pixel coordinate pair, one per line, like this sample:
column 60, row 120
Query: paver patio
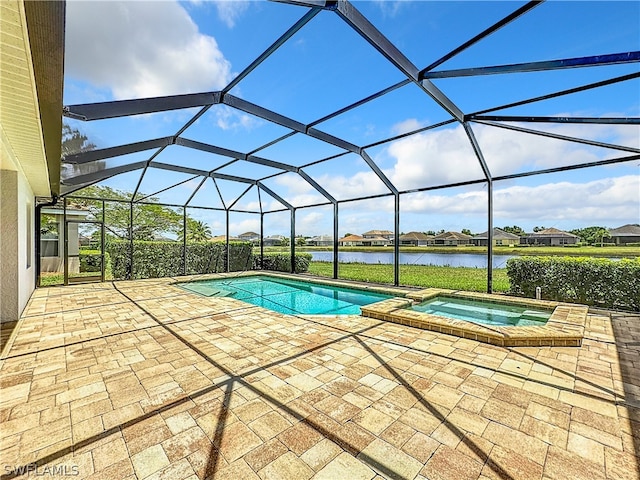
column 139, row 379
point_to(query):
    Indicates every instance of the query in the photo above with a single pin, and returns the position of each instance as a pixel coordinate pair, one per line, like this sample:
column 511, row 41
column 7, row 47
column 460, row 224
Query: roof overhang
column 31, row 83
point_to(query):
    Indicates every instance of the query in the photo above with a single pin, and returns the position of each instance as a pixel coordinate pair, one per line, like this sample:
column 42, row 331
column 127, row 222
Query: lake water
column 417, row 258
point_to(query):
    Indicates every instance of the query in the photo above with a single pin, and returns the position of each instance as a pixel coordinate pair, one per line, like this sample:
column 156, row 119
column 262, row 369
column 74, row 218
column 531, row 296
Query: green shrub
column 92, row 263
column 591, row 281
column 165, row 259
column 281, row 262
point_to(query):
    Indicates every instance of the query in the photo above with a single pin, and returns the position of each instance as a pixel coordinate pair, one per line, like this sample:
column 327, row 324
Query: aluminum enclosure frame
column 419, row 77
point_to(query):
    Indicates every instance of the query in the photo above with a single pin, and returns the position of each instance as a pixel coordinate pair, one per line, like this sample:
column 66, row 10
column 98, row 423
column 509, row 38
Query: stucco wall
column 17, row 280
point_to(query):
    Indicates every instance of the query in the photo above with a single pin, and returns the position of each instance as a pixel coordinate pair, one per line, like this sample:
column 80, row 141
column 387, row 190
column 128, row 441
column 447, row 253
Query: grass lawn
column 459, row 278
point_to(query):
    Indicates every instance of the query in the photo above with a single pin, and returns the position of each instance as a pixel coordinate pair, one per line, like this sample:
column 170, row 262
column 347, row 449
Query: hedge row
column 281, row 262
column 90, row 262
column 165, row 259
column 592, row 281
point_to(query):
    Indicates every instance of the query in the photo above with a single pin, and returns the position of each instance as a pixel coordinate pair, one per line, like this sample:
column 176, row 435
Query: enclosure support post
column 226, row 256
column 487, row 175
column 490, row 235
column 396, row 241
column 293, row 240
column 184, row 240
column 102, row 245
column 335, row 240
column 65, row 242
column 261, row 240
column 130, row 273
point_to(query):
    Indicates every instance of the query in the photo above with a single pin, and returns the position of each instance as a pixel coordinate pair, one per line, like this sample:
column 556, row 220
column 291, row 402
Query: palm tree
column 197, row 231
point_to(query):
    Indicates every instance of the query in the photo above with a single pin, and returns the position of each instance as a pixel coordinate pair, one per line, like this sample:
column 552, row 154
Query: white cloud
column 141, row 49
column 230, row 10
column 230, row 119
column 405, row 126
column 605, row 201
column 247, row 225
column 433, row 158
column 445, row 156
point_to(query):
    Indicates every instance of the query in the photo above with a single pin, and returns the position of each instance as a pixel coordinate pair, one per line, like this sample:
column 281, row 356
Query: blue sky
column 142, row 49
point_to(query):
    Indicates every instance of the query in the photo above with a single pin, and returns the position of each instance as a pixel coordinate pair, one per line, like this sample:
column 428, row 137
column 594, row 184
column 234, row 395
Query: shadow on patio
column 176, row 388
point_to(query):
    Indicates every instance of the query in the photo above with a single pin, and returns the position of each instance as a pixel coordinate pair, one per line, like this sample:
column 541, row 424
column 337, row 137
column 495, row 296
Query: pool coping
column 384, row 289
column 565, row 327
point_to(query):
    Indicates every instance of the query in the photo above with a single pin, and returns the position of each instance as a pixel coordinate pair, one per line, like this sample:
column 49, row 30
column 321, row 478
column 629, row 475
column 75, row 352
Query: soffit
column 19, row 111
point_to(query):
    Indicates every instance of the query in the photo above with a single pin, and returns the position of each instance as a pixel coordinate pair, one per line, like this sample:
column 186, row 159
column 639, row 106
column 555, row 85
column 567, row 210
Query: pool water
column 486, row 313
column 288, row 296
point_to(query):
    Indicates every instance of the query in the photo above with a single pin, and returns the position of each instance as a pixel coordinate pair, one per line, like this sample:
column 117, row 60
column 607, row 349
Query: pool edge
column 565, row 327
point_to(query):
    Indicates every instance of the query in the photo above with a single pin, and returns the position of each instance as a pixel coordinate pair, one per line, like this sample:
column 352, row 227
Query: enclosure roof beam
column 315, row 185
column 272, row 48
column 477, row 150
column 562, row 137
column 371, row 34
column 100, row 175
column 232, row 178
column 168, row 188
column 205, row 147
column 262, row 112
column 204, row 173
column 485, row 33
column 179, row 168
column 241, row 195
column 275, row 195
column 561, row 93
column 359, row 103
column 271, row 163
column 103, row 153
column 365, row 156
column 325, row 4
column 596, row 120
column 593, row 61
column 124, row 108
column 299, row 127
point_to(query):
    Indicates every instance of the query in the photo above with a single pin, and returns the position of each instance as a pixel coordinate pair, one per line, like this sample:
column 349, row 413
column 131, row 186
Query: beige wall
column 17, row 280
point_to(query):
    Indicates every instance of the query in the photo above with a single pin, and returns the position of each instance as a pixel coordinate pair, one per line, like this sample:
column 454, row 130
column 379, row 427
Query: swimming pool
column 484, row 312
column 288, row 296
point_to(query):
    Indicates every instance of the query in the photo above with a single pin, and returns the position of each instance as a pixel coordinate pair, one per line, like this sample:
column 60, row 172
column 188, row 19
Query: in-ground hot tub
column 504, row 321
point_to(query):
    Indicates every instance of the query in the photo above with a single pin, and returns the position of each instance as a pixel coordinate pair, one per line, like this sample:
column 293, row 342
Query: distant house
column 500, row 237
column 252, row 237
column 321, row 241
column 416, row 239
column 273, row 240
column 52, row 241
column 452, row 239
column 377, row 234
column 351, row 241
column 549, row 236
column 625, row 234
column 223, row 238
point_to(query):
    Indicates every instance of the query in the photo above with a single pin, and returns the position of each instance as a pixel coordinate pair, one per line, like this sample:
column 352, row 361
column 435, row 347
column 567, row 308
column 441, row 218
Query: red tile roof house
column 452, row 239
column 625, row 234
column 500, row 237
column 351, row 241
column 550, row 236
column 416, row 239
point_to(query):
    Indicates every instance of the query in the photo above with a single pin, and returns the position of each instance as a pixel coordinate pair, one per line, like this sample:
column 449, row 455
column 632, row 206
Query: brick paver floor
column 143, row 380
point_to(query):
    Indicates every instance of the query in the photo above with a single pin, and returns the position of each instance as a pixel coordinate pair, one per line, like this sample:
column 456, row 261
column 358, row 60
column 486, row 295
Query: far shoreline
column 582, row 251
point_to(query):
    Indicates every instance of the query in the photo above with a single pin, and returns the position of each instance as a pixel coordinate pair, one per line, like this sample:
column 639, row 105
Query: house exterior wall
column 17, row 277
column 623, row 240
